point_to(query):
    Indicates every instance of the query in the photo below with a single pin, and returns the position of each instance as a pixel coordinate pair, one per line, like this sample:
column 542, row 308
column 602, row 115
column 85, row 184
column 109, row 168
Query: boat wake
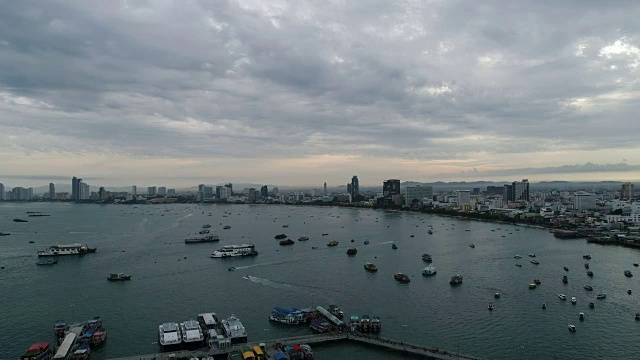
column 184, row 217
column 266, row 282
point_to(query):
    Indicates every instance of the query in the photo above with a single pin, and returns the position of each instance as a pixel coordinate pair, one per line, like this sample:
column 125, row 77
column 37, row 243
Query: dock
column 406, row 348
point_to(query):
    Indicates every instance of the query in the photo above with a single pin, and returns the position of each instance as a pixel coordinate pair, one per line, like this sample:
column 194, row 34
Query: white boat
column 581, row 316
column 573, row 300
column 429, row 270
column 191, row 333
column 234, row 330
column 68, row 249
column 562, row 296
column 517, row 257
column 572, row 328
column 235, row 250
column 532, row 255
column 169, row 335
column 209, row 321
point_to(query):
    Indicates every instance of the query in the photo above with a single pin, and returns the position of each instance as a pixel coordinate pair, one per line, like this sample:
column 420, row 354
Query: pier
column 406, row 348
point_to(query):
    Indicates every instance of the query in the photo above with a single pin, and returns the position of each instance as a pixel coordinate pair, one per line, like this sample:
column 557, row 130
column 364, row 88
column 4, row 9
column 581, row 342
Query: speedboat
column 537, row 281
column 535, row 262
column 233, row 268
column 581, row 316
column 637, row 316
column 366, row 242
column 588, row 287
column 629, row 291
column 531, row 255
column 635, row 264
column 573, row 300
column 565, row 279
column 429, row 270
column 352, row 251
column 628, row 273
column 519, row 265
column 472, row 246
column 403, row 278
column 517, row 257
column 601, row 296
column 332, row 243
column 394, row 246
column 455, row 280
column 572, row 328
column 544, row 306
column 562, row 296
column 496, row 295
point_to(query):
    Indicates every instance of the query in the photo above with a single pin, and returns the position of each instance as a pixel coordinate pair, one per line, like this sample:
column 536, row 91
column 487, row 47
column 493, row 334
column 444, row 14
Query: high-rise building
column 264, row 192
column 205, row 192
column 162, row 191
column 355, row 187
column 134, row 190
column 507, row 194
column 584, row 201
column 275, row 190
column 21, row 194
column 253, row 195
column 391, row 187
column 219, row 191
column 520, row 190
column 171, row 192
column 102, row 194
column 417, row 193
column 74, row 188
column 325, row 188
column 349, row 189
column 463, row 197
column 2, row 195
column 627, row 191
column 52, row 191
column 152, row 191
column 495, row 190
column 84, row 190
column 230, row 187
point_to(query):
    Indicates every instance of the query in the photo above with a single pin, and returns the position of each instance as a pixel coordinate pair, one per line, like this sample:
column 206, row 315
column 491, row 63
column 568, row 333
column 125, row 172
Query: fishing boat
column 531, row 255
column 588, row 287
column 332, row 243
column 537, row 281
column 99, row 337
column 376, row 324
column 370, row 267
column 38, row 351
column 280, row 236
column 628, row 273
column 318, row 325
column 394, row 246
column 532, row 286
column 303, row 238
column 587, row 256
column 517, row 257
column 82, row 353
column 206, row 226
column 455, row 280
column 287, row 242
column 566, row 268
column 535, row 262
column 228, row 251
column 601, row 296
column 403, row 278
column 94, row 324
column 352, row 251
column 47, row 262
column 119, row 277
column 427, row 257
column 562, row 296
column 429, row 270
column 472, row 246
column 227, row 227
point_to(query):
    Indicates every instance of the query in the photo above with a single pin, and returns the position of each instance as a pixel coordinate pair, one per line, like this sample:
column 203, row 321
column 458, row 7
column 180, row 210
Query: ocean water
column 174, row 282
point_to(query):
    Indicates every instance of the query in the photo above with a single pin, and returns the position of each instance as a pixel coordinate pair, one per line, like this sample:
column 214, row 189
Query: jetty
column 391, row 344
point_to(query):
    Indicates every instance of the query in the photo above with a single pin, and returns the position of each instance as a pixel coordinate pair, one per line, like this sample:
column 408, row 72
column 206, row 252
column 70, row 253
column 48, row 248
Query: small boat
column 519, row 265
column 587, row 256
column 429, row 270
column 99, row 337
column 335, row 310
column 47, row 262
column 119, row 277
column 455, row 280
column 586, row 266
column 590, row 273
column 227, row 227
column 370, row 267
column 352, row 251
column 532, row 286
column 562, row 296
column 393, row 246
column 496, row 295
column 232, row 268
column 591, row 304
column 412, row 236
column 4, row 234
column 285, row 226
column 203, row 231
column 287, row 242
column 601, row 296
column 38, row 351
column 332, row 243
column 637, row 316
column 573, row 300
column 566, row 268
column 366, row 242
column 534, row 262
column 537, row 281
column 426, row 257
column 629, row 291
column 429, row 232
column 303, row 238
column 628, row 273
column 635, row 264
column 280, row 236
column 588, row 287
column 544, row 306
column 472, row 246
column 82, row 353
column 581, row 316
column 20, row 220
column 206, row 226
column 565, row 279
column 403, row 278
column 490, row 307
column 325, row 234
column 517, row 257
column 531, row 255
column 572, row 328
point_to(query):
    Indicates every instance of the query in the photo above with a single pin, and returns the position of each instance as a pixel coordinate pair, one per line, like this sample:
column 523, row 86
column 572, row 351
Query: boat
column 280, row 236
column 565, row 279
column 352, row 251
column 4, row 234
column 581, row 316
column 572, row 328
column 169, row 336
column 20, row 220
column 354, row 320
column 366, row 242
column 227, row 227
column 47, row 262
column 206, row 226
column 537, row 281
column 38, row 351
column 589, row 273
column 68, row 249
column 202, row 239
column 59, row 328
column 394, row 246
column 544, row 306
column 82, row 353
column 496, row 295
column 427, row 257
column 490, row 307
column 472, row 246
column 591, row 304
column 601, row 296
column 534, row 262
column 287, row 242
column 235, row 250
column 403, row 278
column 192, row 334
column 325, row 234
column 370, row 267
column 319, row 325
column 99, row 337
column 517, row 257
column 285, row 226
column 303, row 238
column 629, row 291
column 562, row 296
column 573, row 300
column 287, row 316
column 586, row 266
column 519, row 265
column 335, row 310
column 232, row 268
column 532, row 286
column 203, row 231
column 94, row 324
column 234, row 330
column 429, row 270
column 429, row 232
column 566, row 268
column 637, row 316
column 119, row 277
column 531, row 255
column 628, row 273
column 635, row 264
column 376, row 324
column 332, row 243
column 455, row 280
column 587, row 256
column 588, row 287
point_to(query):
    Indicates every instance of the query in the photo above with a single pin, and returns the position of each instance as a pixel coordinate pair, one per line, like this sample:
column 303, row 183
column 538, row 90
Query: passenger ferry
column 192, row 335
column 209, row 322
column 234, row 329
column 69, row 249
column 202, row 239
column 169, row 336
column 287, row 316
column 235, row 250
column 39, row 351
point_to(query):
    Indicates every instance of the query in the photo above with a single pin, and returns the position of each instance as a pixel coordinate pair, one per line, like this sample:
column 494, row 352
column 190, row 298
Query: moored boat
column 352, row 251
column 427, row 257
column 403, row 278
column 370, row 267
column 601, row 296
column 235, row 251
column 119, row 277
column 319, row 325
column 59, row 328
column 376, row 324
column 332, row 243
column 99, row 337
column 38, row 351
column 95, row 323
column 287, row 242
column 287, row 316
column 628, row 273
column 280, row 236
column 335, row 310
column 455, row 280
column 192, row 334
column 169, row 336
column 82, row 353
column 429, row 270
column 202, row 239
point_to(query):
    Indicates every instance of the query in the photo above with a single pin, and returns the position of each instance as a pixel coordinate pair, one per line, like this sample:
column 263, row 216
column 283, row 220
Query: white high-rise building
column 584, row 201
column 134, row 190
column 463, row 197
column 162, row 191
column 85, row 191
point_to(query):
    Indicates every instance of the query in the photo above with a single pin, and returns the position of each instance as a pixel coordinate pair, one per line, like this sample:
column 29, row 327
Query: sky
column 301, row 92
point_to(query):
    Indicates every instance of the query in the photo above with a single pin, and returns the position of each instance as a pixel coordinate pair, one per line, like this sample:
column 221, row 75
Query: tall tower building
column 355, row 187
column 391, row 187
column 52, row 191
column 627, row 191
column 134, row 190
column 2, row 194
column 520, row 190
column 74, row 188
column 325, row 188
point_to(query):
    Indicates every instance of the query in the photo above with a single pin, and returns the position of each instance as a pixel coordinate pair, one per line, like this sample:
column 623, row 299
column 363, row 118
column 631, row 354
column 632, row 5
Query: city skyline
column 298, row 93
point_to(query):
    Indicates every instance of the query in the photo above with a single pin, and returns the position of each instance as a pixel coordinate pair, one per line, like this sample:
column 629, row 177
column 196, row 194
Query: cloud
column 242, row 80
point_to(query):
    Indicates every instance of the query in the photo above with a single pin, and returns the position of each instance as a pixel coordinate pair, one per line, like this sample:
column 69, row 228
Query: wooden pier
column 406, row 348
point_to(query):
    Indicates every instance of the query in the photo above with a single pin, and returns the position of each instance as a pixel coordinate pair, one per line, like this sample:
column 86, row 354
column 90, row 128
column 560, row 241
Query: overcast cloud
column 300, row 92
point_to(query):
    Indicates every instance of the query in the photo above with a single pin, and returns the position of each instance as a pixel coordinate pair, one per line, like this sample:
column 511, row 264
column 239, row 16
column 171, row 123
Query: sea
column 173, row 281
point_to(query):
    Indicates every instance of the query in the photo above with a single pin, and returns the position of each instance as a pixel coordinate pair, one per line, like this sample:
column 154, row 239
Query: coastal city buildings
column 463, row 197
column 627, row 191
column 162, row 191
column 354, row 188
column 325, row 189
column 152, row 191
column 584, row 201
column 417, row 194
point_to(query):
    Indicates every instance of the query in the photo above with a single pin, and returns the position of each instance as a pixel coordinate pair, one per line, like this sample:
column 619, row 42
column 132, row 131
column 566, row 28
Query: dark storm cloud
column 412, row 79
